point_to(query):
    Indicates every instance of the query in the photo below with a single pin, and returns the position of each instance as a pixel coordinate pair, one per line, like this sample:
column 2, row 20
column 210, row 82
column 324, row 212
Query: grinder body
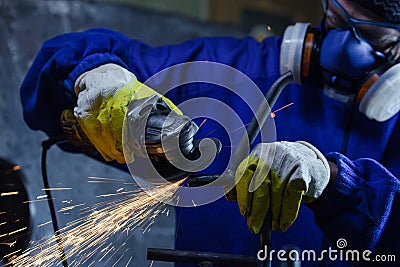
column 153, row 131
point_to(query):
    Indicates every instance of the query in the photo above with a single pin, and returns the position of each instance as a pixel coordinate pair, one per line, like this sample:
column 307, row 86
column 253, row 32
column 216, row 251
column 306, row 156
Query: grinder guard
column 164, row 129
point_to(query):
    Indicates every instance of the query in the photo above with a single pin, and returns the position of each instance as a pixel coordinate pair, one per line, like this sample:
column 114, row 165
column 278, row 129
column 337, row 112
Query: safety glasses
column 379, row 34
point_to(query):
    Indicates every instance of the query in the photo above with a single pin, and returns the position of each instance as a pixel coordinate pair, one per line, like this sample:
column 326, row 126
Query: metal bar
column 262, row 113
column 198, row 257
column 266, row 238
column 253, row 129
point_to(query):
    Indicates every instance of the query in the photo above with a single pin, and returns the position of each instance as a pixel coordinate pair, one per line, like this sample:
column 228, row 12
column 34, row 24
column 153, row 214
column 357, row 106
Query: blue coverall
column 361, row 206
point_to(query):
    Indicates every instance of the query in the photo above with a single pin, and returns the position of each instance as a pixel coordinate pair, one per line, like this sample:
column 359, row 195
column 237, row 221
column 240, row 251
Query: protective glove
column 103, row 97
column 298, row 172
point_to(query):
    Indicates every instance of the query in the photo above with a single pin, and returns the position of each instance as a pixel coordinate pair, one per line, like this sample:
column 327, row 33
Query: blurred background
column 25, row 25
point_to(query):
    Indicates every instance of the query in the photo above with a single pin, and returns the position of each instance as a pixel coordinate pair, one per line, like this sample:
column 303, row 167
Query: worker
column 335, row 167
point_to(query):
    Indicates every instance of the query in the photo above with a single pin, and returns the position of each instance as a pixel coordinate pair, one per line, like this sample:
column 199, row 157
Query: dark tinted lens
column 378, row 36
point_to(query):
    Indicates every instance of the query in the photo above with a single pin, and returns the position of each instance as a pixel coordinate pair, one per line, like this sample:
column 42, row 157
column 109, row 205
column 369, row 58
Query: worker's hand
column 103, row 97
column 299, row 172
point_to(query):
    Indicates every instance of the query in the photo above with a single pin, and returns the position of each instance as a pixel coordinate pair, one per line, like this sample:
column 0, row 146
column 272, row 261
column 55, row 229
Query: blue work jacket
column 362, row 206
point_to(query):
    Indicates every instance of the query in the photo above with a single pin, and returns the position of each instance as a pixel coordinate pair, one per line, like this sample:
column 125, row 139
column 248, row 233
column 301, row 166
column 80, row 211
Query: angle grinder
column 154, row 131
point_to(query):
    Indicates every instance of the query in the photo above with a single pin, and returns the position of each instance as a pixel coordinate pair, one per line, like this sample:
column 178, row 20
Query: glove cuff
column 321, row 182
column 319, row 154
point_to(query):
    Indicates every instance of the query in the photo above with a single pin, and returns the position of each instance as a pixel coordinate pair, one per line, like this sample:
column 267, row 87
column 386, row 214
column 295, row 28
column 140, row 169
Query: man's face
column 345, row 14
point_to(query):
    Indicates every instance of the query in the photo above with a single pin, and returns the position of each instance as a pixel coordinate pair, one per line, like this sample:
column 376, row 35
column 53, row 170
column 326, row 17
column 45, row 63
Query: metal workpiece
column 202, row 258
column 252, row 130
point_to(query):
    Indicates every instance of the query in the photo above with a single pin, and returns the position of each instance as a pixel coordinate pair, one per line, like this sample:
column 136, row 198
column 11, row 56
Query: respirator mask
column 344, row 61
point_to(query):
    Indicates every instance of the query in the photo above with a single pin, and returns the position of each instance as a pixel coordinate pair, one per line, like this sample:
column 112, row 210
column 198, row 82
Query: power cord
column 46, row 146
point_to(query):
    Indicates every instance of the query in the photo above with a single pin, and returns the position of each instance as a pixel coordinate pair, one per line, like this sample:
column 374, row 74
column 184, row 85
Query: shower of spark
column 88, row 239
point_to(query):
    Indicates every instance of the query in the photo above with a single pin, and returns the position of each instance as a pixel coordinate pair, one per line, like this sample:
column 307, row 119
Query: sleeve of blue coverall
column 48, row 86
column 361, row 206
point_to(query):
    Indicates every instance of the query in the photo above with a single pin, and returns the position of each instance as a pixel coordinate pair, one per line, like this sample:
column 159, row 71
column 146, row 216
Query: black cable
column 46, row 146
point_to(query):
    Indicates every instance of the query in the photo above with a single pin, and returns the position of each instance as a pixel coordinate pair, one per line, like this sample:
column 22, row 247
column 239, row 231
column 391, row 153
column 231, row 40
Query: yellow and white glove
column 103, row 97
column 299, row 172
